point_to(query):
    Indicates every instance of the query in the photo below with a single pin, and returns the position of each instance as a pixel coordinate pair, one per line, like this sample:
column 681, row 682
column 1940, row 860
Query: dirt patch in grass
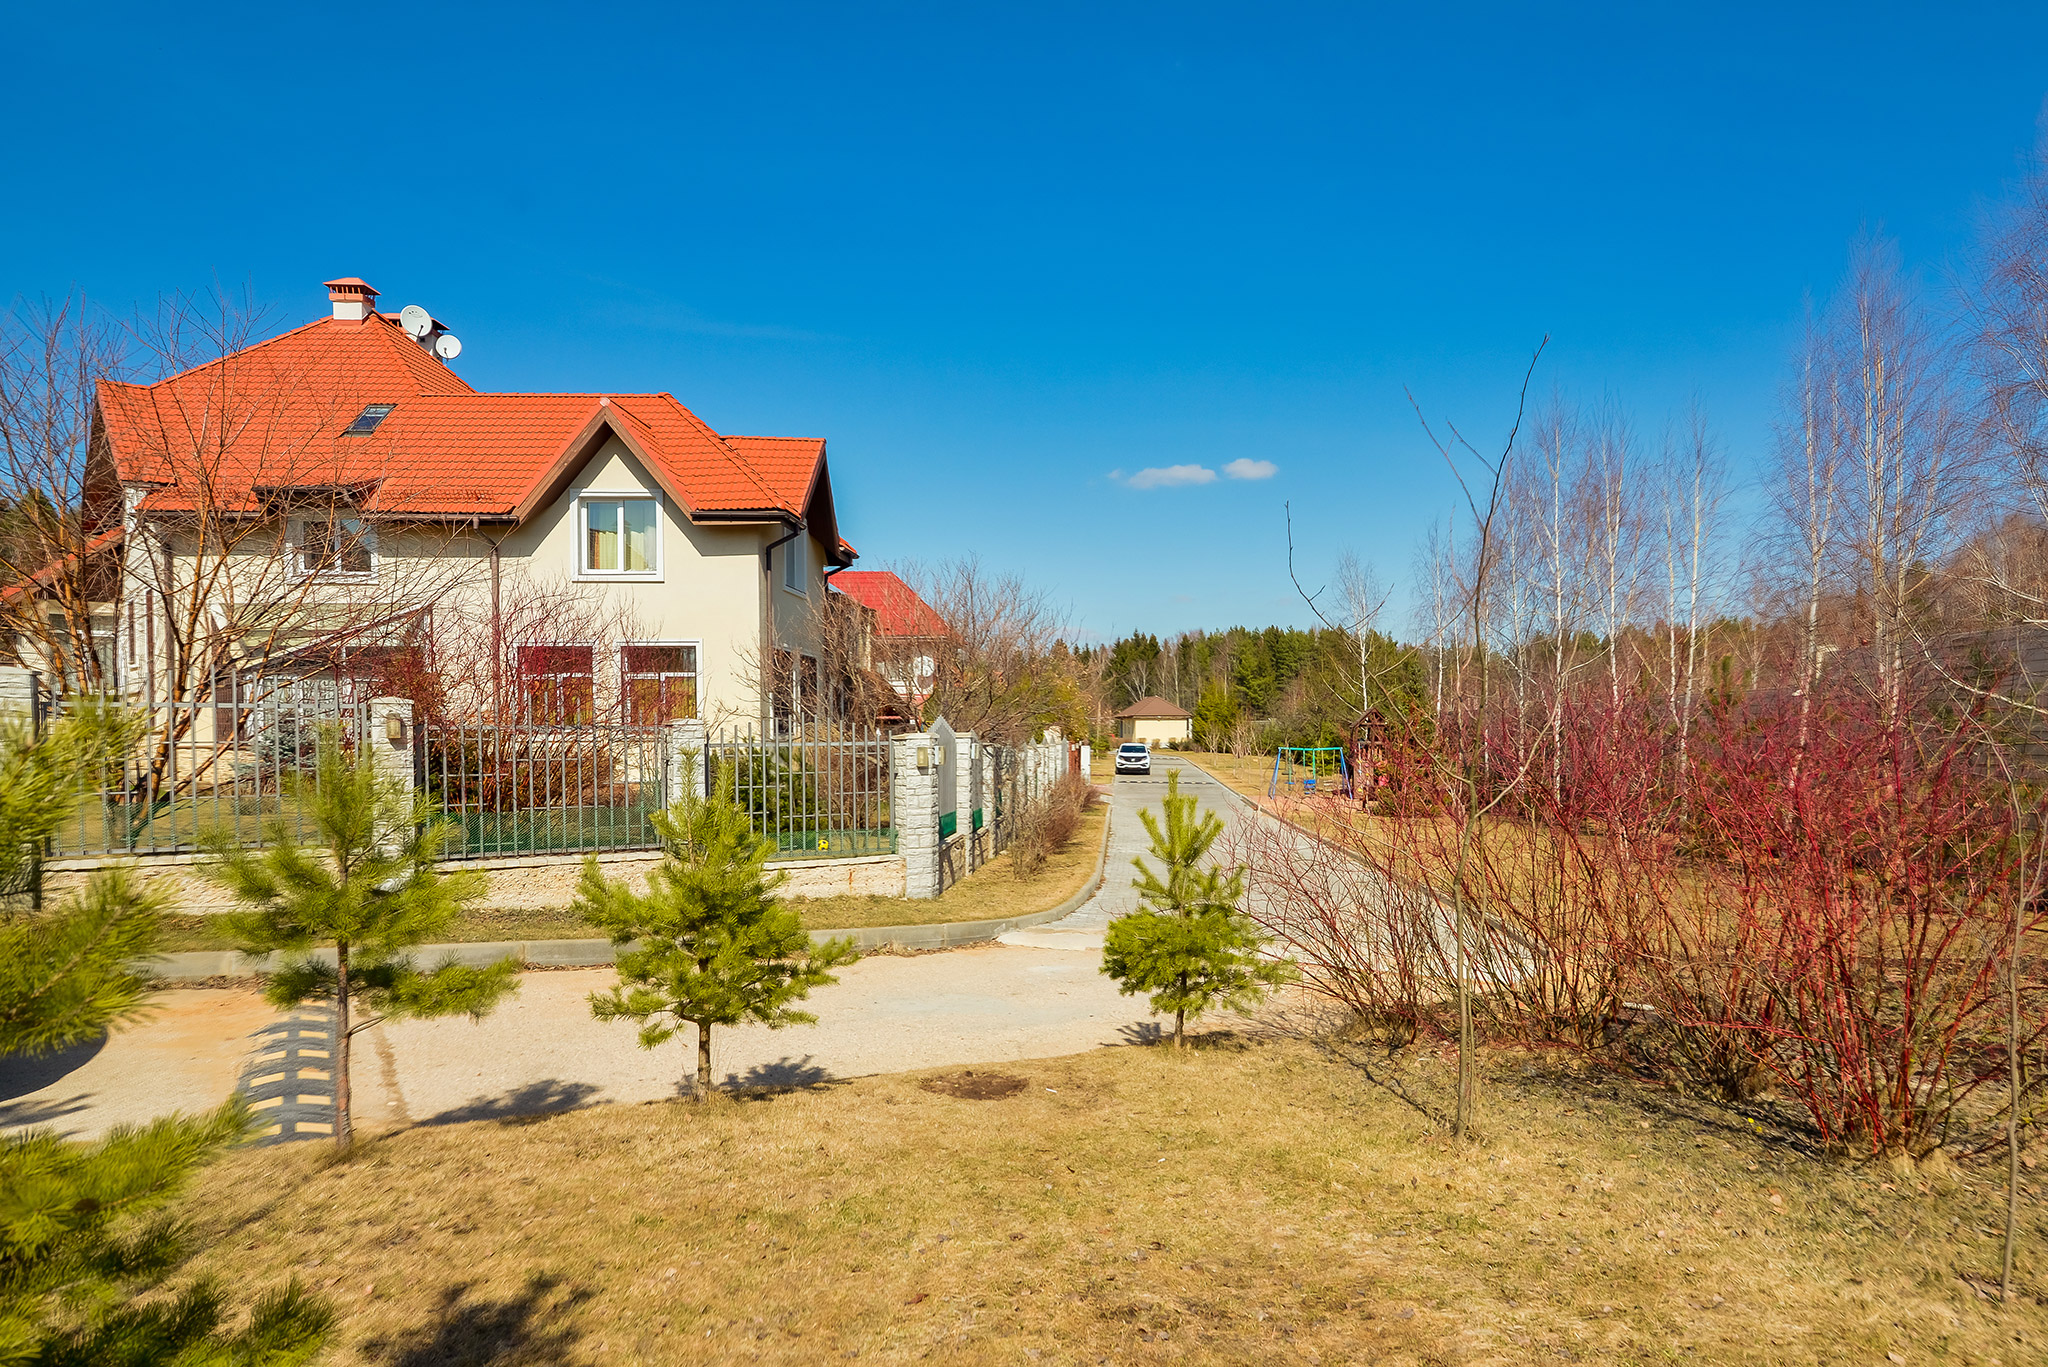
column 969, row 1085
column 1259, row 1204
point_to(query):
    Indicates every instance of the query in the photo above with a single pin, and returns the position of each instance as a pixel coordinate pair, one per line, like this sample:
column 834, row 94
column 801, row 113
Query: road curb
column 198, row 965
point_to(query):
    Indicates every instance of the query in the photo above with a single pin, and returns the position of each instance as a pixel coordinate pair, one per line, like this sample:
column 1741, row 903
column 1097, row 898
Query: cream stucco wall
column 1155, row 730
column 709, row 587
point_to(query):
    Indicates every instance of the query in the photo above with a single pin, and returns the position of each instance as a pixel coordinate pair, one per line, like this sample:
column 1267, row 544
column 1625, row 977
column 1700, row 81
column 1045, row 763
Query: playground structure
column 1310, row 771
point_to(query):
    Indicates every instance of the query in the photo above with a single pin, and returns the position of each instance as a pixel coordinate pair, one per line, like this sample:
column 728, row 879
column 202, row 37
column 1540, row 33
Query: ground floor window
column 659, row 682
column 557, row 685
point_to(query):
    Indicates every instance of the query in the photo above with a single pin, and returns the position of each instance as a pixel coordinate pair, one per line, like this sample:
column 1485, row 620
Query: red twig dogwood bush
column 1821, row 904
column 1862, row 898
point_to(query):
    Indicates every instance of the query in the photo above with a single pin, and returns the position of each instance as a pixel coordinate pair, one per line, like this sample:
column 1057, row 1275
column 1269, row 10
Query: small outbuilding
column 1155, row 721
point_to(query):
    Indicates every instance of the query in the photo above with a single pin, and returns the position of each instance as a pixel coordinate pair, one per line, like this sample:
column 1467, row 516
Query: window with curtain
column 557, row 684
column 620, row 536
column 335, row 547
column 660, row 683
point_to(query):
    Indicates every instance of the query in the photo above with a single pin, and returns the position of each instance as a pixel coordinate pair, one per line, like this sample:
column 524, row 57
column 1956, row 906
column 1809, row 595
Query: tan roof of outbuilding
column 1151, row 708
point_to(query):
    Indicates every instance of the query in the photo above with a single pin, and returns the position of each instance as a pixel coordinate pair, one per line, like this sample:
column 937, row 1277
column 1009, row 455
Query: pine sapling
column 367, row 887
column 85, row 1248
column 1189, row 945
column 715, row 945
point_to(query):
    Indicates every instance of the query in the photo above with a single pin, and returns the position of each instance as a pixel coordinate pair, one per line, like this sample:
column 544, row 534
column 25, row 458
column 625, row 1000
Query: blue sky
column 994, row 255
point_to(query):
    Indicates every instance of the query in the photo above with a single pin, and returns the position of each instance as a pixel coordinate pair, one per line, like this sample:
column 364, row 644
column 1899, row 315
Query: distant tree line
column 1251, row 689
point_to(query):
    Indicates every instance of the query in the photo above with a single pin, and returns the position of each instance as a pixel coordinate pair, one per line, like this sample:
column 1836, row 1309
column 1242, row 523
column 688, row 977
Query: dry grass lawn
column 1252, row 1201
column 992, row 892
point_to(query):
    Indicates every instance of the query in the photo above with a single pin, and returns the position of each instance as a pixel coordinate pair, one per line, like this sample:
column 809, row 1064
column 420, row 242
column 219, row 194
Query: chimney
column 354, row 300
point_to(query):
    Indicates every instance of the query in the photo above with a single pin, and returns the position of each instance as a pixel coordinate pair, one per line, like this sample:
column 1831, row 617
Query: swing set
column 1309, row 770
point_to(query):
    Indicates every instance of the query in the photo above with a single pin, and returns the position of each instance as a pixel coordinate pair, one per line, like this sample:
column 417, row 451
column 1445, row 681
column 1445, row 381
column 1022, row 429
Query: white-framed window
column 658, row 680
column 618, row 536
column 794, row 566
column 335, row 548
column 556, row 684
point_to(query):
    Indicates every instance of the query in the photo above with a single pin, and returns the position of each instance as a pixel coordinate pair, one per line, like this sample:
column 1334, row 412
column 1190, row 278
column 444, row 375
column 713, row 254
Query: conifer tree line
column 1250, row 689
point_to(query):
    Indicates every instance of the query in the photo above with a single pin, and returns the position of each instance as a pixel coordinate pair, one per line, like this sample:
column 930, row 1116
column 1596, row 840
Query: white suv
column 1134, row 758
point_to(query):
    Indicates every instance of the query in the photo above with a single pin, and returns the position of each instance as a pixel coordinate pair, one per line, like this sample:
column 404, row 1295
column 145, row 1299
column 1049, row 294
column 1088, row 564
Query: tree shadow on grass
column 527, row 1327
column 782, row 1075
column 765, row 1081
column 1154, row 1034
column 531, row 1102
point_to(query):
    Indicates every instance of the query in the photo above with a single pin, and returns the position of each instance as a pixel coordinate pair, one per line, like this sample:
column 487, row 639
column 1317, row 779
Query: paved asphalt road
column 1036, row 995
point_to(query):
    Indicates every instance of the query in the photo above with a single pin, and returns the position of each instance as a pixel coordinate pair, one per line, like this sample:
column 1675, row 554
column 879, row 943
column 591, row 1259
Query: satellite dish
column 447, row 346
column 416, row 320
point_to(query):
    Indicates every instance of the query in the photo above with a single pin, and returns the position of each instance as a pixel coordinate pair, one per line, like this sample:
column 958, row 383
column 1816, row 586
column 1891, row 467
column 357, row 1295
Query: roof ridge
column 753, row 476
column 229, row 356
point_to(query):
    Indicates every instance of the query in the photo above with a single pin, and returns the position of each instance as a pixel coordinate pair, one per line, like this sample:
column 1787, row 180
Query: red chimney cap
column 350, row 285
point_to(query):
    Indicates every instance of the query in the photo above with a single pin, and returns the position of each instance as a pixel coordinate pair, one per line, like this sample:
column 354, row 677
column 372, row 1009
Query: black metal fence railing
column 518, row 789
column 820, row 792
column 231, row 760
column 225, row 761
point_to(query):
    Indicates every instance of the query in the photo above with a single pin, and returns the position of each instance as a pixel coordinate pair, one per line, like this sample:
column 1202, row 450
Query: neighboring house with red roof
column 905, row 634
column 339, row 488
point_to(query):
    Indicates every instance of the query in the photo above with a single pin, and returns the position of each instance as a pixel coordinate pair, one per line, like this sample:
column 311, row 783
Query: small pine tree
column 80, row 1278
column 66, row 972
column 1189, row 946
column 715, row 946
column 367, row 887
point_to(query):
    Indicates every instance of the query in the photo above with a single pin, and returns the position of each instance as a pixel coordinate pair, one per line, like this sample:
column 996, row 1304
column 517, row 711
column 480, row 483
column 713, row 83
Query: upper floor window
column 619, row 536
column 336, row 547
column 367, row 420
column 793, row 564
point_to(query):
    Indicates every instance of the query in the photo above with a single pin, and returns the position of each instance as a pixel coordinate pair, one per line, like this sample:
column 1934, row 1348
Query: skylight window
column 366, row 421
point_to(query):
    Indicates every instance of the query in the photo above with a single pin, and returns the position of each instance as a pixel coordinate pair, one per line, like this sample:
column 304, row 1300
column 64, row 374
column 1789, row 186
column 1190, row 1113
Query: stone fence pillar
column 17, row 691
column 687, row 765
column 390, row 741
column 914, row 811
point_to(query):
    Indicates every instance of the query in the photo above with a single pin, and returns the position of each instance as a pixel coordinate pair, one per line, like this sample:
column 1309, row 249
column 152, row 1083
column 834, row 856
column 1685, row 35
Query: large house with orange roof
column 339, row 492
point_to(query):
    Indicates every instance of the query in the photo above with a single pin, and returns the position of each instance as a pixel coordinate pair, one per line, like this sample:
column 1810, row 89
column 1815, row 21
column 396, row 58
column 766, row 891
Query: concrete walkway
column 1039, row 993
column 1082, row 932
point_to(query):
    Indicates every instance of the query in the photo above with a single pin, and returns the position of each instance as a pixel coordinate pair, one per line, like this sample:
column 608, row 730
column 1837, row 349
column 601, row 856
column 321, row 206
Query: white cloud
column 1167, row 476
column 1251, row 469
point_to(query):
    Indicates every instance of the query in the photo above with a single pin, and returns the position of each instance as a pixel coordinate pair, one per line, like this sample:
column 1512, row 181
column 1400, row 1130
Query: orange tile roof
column 271, row 417
column 897, row 608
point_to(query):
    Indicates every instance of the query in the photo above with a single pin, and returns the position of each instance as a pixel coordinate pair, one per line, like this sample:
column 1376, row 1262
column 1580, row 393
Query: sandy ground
column 187, row 1056
column 1037, row 995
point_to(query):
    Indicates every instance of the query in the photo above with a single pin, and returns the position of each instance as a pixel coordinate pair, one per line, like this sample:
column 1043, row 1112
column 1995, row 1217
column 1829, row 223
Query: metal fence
column 224, row 762
column 820, row 792
column 1001, row 789
column 516, row 789
column 228, row 762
